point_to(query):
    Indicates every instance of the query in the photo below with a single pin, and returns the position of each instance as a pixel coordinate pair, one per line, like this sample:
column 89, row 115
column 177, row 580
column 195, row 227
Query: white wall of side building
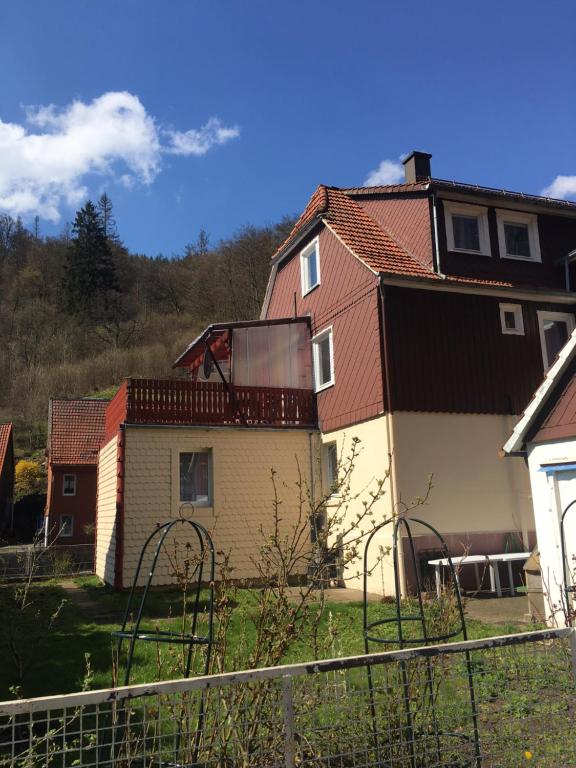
column 553, row 488
column 372, row 464
column 241, row 514
column 106, row 511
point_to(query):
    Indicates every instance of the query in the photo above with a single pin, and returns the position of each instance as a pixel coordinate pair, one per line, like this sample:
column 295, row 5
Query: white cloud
column 388, row 172
column 44, row 163
column 198, row 142
column 563, row 188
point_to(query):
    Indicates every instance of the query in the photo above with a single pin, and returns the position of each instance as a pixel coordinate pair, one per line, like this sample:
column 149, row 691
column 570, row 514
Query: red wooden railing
column 164, row 401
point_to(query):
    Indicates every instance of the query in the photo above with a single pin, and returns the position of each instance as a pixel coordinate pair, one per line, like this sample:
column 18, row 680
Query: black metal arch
column 136, row 632
column 568, row 590
column 442, row 740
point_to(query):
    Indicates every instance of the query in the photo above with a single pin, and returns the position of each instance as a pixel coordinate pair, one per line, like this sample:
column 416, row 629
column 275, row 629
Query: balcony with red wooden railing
column 166, row 401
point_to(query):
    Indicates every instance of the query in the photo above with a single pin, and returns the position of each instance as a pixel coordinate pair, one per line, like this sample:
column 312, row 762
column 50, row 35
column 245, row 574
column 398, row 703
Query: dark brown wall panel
column 448, row 352
column 407, row 220
column 347, row 300
column 557, row 238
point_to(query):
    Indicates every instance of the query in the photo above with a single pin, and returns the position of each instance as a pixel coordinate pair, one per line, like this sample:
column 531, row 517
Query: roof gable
column 5, row 442
column 534, row 413
column 76, row 430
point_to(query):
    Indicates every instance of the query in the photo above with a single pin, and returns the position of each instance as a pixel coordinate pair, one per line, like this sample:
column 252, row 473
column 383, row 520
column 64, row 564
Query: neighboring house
column 75, row 432
column 6, row 479
column 436, row 307
column 205, row 448
column 545, row 437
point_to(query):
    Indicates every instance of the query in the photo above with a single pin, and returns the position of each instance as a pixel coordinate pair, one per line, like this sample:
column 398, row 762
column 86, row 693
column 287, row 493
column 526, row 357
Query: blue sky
column 218, row 114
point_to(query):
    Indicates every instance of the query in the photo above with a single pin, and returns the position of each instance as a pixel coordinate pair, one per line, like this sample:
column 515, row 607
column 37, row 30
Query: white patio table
column 491, row 561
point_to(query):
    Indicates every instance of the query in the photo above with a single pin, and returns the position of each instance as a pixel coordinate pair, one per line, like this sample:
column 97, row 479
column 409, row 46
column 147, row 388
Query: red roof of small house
column 5, row 440
column 368, row 240
column 560, row 423
column 75, row 430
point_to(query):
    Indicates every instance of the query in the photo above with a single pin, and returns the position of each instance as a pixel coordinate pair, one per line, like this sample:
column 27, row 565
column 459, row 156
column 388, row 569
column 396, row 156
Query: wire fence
column 506, row 701
column 23, row 561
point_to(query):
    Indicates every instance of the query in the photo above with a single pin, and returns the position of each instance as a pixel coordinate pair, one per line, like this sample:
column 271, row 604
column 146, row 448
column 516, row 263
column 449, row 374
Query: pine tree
column 90, row 279
column 106, row 215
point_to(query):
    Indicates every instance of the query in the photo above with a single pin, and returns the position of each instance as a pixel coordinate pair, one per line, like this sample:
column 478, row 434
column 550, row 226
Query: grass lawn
column 59, row 656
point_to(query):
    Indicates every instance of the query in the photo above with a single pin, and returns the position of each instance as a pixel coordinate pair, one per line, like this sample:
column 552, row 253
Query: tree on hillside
column 106, row 215
column 90, row 281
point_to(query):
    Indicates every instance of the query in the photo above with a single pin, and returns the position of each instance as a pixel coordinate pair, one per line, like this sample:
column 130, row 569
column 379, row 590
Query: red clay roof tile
column 76, row 429
column 367, row 239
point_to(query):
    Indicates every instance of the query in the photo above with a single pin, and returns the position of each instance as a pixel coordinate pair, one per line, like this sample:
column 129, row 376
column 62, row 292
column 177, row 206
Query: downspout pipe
column 567, row 259
column 390, row 425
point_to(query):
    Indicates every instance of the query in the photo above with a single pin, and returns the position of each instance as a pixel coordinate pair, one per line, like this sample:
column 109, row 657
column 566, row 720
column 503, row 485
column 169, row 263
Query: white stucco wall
column 372, row 464
column 474, row 490
column 550, row 497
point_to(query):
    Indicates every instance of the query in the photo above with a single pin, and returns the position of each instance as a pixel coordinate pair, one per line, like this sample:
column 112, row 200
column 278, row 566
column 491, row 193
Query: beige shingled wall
column 106, row 512
column 242, row 490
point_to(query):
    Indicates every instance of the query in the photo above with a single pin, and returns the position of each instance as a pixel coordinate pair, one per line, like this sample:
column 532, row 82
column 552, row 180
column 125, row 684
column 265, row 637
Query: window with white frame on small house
column 518, row 235
column 511, row 319
column 196, row 478
column 555, row 328
column 69, row 485
column 67, row 525
column 310, row 267
column 467, row 228
column 323, row 358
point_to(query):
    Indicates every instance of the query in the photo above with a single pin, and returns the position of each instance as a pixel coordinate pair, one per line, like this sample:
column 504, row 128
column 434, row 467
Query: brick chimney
column 417, row 167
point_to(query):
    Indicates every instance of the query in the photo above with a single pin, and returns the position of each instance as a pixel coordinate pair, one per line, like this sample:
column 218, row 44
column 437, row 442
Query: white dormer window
column 467, row 228
column 310, row 267
column 518, row 235
column 511, row 319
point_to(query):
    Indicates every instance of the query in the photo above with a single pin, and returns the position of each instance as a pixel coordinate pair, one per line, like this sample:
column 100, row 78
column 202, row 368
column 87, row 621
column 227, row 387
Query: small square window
column 518, row 235
column 69, row 485
column 511, row 319
column 331, row 464
column 466, row 228
column 196, row 478
column 67, row 525
column 310, row 267
column 323, row 356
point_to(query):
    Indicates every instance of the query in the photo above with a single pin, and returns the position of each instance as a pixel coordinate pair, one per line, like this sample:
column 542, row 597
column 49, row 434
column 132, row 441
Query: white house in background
column 545, row 436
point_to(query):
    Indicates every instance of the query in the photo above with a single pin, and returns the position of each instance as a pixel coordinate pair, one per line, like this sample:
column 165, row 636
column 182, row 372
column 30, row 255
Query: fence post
column 288, row 713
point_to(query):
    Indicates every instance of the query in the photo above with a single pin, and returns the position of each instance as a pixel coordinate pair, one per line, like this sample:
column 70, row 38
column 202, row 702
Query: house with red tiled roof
column 436, row 308
column 416, row 318
column 75, row 432
column 6, row 478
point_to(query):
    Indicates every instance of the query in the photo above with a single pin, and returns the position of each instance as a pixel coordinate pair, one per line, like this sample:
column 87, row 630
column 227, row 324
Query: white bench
column 491, row 561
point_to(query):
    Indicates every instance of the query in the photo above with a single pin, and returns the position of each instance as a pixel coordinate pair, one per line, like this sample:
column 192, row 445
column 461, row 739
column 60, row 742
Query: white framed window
column 511, row 319
column 69, row 485
column 323, row 359
column 467, row 228
column 310, row 266
column 518, row 235
column 555, row 328
column 331, row 466
column 196, row 478
column 67, row 525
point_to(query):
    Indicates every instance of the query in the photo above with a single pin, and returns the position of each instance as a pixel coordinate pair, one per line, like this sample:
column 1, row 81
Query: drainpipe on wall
column 390, row 432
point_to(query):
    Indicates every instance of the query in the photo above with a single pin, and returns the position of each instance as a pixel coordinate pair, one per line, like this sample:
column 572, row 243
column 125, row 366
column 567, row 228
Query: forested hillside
column 79, row 312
